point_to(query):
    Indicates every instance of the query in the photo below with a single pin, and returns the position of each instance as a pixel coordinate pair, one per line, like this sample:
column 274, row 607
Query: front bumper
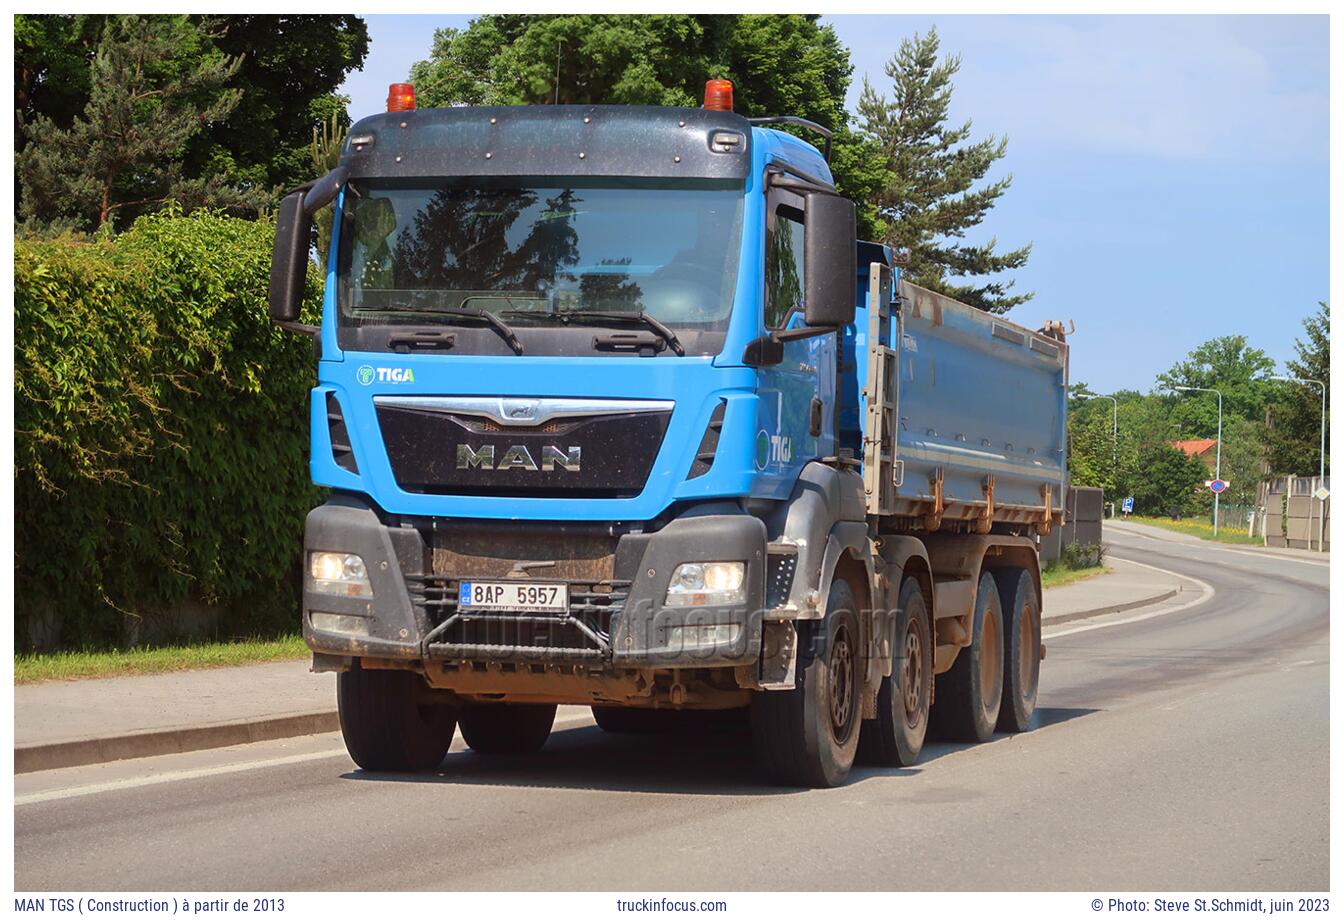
column 616, row 617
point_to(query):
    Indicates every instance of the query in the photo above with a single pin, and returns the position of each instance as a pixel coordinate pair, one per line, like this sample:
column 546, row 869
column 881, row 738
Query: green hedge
column 160, row 431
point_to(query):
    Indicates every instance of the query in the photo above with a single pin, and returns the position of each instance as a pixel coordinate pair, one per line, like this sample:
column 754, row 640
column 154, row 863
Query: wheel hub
column 913, row 685
column 1028, row 662
column 841, row 667
column 991, row 660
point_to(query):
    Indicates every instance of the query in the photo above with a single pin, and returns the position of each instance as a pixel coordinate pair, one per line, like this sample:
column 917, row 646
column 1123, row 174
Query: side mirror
column 830, row 260
column 293, row 234
column 289, row 259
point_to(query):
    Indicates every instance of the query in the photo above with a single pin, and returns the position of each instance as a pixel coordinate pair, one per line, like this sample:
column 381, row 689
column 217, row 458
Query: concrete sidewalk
column 73, row 722
column 69, row 723
column 1126, row 586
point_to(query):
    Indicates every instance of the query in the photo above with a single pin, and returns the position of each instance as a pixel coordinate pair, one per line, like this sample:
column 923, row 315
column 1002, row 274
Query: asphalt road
column 1182, row 751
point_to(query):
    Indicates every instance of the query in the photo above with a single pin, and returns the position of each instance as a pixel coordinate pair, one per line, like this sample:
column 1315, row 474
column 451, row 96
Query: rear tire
column 968, row 696
column 1022, row 651
column 896, row 737
column 511, row 729
column 387, row 724
column 808, row 736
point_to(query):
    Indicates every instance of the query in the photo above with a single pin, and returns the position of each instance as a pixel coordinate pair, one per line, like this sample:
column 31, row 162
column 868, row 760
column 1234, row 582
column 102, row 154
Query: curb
column 32, row 758
column 1113, row 608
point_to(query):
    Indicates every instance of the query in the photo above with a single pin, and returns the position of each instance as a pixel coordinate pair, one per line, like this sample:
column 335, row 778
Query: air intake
column 341, row 451
column 709, row 443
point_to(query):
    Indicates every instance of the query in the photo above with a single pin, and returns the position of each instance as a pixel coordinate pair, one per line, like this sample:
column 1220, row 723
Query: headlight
column 338, row 573
column 707, row 584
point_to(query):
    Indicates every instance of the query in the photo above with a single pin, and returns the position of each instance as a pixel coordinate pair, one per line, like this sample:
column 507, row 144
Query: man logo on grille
column 518, row 457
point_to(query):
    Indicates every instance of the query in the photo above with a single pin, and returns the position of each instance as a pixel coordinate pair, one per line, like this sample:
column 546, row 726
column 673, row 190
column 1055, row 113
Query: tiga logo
column 518, row 457
column 367, row 374
column 773, row 448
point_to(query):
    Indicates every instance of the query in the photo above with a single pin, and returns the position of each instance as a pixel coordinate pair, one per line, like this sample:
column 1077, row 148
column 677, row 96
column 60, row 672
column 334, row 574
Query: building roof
column 1196, row 448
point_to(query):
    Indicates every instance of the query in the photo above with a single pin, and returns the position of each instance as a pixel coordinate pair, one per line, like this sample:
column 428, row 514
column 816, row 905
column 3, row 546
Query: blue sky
column 1171, row 172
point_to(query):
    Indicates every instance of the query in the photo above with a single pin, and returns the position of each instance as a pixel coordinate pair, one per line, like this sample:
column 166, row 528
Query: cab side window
column 784, row 267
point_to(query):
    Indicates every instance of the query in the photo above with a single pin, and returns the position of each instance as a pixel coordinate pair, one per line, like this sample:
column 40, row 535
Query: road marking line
column 135, row 782
column 1206, row 589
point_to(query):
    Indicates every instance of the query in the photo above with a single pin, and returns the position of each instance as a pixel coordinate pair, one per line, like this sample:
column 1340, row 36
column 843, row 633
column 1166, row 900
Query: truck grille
column 597, row 455
column 583, row 633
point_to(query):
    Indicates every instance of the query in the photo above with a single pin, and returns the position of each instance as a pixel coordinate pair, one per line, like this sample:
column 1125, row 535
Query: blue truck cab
column 592, row 404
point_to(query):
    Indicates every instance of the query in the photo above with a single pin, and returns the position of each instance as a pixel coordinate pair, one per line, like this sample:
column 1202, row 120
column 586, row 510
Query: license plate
column 513, row 595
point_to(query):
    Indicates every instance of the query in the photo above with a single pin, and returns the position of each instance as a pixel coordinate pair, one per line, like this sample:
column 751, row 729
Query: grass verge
column 1056, row 574
column 1202, row 529
column 31, row 668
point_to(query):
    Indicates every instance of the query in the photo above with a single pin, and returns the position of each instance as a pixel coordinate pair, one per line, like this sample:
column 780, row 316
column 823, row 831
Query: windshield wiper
column 486, row 317
column 653, row 323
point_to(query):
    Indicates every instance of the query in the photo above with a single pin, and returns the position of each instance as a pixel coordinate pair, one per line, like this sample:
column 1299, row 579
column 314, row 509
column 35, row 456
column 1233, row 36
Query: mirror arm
column 768, row 350
column 322, row 192
column 802, row 332
column 300, row 328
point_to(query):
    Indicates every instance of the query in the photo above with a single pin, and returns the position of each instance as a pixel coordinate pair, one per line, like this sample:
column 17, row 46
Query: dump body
column 980, row 413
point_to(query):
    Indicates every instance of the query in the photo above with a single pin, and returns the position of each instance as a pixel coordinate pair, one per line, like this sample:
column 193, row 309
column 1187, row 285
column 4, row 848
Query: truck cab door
column 797, row 397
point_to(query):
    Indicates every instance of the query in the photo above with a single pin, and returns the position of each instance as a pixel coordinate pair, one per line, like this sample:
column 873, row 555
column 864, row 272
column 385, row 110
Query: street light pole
column 1320, row 540
column 1218, row 457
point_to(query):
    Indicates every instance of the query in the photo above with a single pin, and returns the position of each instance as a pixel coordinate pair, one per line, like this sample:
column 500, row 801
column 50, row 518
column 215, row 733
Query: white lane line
column 135, row 782
column 1206, row 592
column 1208, row 544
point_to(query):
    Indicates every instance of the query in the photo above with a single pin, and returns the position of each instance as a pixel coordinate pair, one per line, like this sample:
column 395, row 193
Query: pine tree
column 123, row 153
column 929, row 201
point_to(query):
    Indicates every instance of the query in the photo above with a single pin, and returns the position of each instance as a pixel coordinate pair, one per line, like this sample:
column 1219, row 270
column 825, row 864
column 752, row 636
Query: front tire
column 896, row 737
column 969, row 695
column 511, row 729
column 808, row 736
column 387, row 724
column 1022, row 651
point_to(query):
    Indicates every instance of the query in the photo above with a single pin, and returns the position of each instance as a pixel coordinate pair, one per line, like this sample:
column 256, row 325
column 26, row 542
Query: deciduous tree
column 1295, row 434
column 779, row 65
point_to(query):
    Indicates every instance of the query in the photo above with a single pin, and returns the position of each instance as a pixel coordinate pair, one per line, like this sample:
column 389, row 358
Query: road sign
column 1127, row 506
column 1218, row 485
column 1321, row 494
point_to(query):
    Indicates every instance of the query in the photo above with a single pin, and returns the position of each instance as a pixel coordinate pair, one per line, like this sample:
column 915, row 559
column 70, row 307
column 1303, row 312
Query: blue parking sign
column 1127, row 506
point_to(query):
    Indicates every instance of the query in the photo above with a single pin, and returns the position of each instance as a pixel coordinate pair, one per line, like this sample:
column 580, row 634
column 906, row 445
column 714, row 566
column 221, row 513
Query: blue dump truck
column 615, row 410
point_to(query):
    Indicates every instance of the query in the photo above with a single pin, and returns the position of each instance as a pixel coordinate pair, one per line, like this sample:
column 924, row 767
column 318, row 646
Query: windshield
column 538, row 257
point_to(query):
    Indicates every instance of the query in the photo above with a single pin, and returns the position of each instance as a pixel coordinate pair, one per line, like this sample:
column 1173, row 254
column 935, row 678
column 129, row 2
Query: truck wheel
column 1022, row 651
column 970, row 693
column 896, row 736
column 386, row 723
column 506, row 728
column 807, row 736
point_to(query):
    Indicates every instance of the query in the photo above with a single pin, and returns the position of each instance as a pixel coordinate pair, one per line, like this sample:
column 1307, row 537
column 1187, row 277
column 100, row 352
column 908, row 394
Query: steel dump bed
column 969, row 422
